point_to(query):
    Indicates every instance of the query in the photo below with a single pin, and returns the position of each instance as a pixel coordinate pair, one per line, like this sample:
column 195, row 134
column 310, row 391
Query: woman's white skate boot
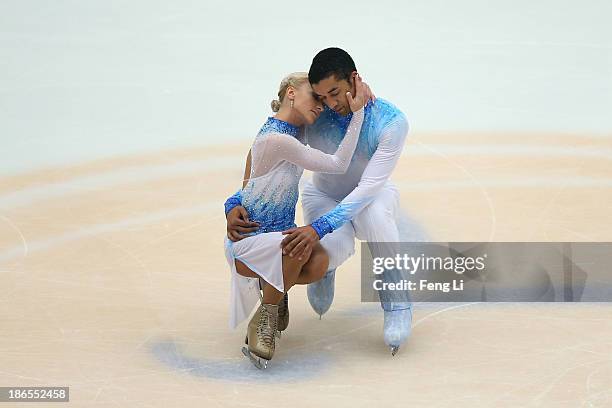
column 260, row 335
column 283, row 309
column 397, row 328
column 321, row 292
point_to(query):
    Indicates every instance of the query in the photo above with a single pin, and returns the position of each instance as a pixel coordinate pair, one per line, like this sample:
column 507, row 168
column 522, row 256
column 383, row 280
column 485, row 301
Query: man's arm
column 374, row 177
column 377, row 172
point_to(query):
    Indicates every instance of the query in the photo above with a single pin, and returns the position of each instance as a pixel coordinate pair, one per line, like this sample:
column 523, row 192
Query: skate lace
column 267, row 328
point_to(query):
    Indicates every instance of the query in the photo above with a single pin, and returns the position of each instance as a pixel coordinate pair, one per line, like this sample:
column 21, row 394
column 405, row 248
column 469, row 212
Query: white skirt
column 262, row 254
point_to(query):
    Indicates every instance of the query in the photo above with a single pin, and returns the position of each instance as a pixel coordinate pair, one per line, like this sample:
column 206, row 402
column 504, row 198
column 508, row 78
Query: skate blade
column 394, row 350
column 260, row 363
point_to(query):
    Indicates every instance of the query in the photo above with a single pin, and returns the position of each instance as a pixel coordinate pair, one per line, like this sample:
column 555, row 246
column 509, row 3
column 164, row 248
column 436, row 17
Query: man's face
column 332, row 92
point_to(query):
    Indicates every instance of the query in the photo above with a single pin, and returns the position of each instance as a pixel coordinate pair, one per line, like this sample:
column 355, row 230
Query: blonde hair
column 295, row 80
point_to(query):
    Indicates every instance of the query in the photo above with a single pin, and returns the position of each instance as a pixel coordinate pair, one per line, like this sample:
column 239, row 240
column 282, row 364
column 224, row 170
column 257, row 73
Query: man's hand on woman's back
column 238, row 223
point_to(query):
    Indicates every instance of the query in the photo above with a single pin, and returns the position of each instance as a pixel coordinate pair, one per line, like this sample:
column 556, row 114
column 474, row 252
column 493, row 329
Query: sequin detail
column 280, row 126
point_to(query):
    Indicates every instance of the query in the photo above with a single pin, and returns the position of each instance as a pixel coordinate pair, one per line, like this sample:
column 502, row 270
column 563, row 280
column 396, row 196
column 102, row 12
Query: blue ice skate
column 397, row 328
column 321, row 293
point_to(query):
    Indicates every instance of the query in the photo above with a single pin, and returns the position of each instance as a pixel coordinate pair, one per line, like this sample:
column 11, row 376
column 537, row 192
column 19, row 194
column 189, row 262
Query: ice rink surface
column 114, row 282
column 125, row 126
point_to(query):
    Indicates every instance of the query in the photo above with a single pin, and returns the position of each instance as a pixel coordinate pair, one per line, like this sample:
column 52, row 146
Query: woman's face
column 306, row 105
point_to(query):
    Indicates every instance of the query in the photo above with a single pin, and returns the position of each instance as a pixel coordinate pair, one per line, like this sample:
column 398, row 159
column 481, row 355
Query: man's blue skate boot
column 321, row 293
column 397, row 328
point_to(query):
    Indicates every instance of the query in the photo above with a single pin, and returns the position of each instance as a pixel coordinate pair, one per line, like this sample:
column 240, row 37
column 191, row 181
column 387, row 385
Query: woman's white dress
column 278, row 159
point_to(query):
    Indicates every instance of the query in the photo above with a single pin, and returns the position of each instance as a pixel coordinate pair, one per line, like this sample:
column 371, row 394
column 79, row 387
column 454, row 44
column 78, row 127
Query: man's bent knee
column 338, row 250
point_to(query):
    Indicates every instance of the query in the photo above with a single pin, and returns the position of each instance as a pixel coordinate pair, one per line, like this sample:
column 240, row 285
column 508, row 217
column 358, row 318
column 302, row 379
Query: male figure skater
column 361, row 203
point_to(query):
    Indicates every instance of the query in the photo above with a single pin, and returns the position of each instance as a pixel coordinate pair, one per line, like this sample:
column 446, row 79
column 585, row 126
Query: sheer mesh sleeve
column 275, row 147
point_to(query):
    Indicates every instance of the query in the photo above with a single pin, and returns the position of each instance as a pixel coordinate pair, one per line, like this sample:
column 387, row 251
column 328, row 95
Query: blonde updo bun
column 295, row 80
column 275, row 105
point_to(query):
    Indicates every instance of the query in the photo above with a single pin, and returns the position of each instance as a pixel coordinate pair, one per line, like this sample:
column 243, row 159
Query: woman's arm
column 236, row 215
column 247, row 170
column 236, row 199
column 282, row 147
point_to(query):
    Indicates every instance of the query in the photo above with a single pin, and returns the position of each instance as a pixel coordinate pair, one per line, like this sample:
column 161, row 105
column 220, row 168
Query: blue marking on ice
column 285, row 368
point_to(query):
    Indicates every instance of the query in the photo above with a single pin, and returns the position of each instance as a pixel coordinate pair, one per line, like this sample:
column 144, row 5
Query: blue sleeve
column 233, row 201
column 322, row 227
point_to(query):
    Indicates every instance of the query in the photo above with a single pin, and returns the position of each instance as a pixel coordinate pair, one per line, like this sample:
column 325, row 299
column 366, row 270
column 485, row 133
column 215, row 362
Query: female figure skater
column 269, row 194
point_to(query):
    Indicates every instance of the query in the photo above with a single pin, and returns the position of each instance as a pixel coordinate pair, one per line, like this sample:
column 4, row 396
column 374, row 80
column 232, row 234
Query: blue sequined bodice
column 271, row 199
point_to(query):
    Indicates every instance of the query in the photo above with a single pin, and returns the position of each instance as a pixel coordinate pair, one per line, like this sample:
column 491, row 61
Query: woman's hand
column 361, row 95
column 299, row 242
column 369, row 94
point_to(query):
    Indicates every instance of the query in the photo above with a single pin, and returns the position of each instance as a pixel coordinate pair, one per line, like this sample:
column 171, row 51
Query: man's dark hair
column 331, row 61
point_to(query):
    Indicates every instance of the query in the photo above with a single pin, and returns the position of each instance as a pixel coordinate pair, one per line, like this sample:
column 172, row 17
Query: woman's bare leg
column 315, row 268
column 291, row 271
